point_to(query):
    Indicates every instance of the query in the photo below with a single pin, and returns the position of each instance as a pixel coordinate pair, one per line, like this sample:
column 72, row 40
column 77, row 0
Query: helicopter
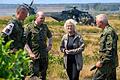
column 31, row 10
column 81, row 17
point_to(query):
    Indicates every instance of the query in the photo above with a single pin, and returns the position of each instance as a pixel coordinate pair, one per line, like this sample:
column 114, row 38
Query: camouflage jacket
column 14, row 31
column 36, row 36
column 108, row 46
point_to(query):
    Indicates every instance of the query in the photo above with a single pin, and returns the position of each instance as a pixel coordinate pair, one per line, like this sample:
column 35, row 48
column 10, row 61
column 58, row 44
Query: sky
column 56, row 1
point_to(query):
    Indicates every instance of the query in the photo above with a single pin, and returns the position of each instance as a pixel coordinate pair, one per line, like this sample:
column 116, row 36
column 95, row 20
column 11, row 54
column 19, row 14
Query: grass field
column 90, row 35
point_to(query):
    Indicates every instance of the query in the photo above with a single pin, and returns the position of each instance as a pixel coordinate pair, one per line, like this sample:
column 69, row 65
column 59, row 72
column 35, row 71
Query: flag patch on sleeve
column 8, row 29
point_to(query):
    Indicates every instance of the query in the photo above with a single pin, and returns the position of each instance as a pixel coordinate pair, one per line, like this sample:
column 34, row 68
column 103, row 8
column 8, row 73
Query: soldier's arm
column 49, row 35
column 27, row 48
column 28, row 37
column 108, row 53
column 29, row 51
column 6, row 32
column 50, row 41
column 49, row 44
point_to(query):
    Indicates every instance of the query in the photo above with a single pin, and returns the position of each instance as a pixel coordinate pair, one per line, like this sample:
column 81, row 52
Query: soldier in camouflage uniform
column 15, row 31
column 106, row 66
column 37, row 33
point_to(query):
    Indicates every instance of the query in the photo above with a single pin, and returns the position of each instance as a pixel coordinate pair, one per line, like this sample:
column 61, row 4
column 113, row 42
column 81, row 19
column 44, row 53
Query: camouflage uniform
column 108, row 55
column 36, row 39
column 14, row 31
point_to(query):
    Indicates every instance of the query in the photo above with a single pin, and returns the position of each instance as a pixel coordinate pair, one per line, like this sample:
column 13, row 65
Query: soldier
column 37, row 33
column 15, row 31
column 106, row 66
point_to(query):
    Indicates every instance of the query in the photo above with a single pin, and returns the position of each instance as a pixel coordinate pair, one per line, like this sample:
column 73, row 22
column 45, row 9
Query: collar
column 76, row 35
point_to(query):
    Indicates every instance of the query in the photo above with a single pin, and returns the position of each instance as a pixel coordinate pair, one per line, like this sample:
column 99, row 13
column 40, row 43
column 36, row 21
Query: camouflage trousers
column 39, row 67
column 105, row 76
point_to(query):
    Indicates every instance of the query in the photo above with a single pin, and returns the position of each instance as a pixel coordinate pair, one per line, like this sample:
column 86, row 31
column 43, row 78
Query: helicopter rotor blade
column 31, row 3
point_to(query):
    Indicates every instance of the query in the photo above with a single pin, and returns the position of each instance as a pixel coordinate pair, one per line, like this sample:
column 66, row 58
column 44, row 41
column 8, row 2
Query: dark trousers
column 39, row 68
column 72, row 71
column 102, row 76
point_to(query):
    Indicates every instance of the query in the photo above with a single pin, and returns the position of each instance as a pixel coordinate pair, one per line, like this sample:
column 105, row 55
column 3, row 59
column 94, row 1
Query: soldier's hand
column 32, row 56
column 13, row 50
column 49, row 48
column 98, row 64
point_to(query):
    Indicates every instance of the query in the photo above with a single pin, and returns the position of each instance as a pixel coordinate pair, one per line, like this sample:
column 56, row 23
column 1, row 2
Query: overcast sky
column 56, row 1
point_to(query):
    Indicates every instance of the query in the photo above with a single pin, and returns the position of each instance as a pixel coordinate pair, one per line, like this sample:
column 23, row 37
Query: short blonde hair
column 103, row 18
column 70, row 21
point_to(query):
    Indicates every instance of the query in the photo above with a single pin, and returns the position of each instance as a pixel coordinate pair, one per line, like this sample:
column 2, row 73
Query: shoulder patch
column 8, row 29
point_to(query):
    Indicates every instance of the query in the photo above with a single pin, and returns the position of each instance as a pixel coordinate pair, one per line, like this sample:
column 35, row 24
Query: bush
column 13, row 66
column 29, row 19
